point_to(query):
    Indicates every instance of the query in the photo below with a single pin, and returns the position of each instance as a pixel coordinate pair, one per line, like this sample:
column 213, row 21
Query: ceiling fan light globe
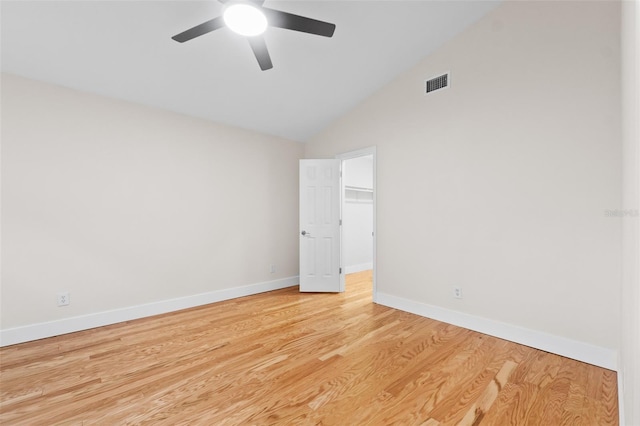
column 245, row 19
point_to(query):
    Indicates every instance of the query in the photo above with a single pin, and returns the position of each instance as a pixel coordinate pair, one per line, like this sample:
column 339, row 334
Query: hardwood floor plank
column 469, row 381
column 290, row 358
column 479, row 409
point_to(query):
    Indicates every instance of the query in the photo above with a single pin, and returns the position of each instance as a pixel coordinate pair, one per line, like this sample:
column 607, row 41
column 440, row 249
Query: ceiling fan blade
column 289, row 21
column 259, row 48
column 199, row 30
column 258, row 2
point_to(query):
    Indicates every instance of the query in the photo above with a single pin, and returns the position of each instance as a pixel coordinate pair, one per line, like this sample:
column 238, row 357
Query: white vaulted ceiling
column 124, row 50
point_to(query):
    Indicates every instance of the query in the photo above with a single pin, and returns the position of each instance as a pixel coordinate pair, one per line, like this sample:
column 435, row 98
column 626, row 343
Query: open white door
column 320, row 225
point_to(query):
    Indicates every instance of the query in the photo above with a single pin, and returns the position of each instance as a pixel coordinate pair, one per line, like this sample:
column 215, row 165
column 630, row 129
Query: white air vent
column 437, row 83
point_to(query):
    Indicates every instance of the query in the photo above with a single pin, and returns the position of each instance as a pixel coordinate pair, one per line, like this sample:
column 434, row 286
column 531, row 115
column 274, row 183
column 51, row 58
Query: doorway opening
column 358, row 197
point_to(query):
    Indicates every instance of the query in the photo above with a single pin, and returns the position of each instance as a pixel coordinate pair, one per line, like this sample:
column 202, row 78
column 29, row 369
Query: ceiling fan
column 249, row 18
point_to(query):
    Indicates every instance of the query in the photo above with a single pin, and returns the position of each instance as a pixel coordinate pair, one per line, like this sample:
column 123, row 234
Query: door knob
column 304, row 233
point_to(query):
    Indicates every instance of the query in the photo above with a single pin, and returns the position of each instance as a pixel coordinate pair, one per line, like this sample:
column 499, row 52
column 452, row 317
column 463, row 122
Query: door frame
column 348, row 156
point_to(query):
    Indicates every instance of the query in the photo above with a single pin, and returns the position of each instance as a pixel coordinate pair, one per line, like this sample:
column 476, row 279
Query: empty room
column 320, row 212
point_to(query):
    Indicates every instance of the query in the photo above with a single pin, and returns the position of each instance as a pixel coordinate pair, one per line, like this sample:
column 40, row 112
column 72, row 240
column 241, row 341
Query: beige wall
column 630, row 342
column 123, row 205
column 500, row 183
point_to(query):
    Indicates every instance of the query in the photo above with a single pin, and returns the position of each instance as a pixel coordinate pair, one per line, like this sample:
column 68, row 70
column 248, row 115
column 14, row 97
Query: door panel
column 320, row 225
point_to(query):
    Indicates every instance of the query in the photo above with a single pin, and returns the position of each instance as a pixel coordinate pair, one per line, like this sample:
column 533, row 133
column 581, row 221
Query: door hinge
column 340, row 222
column 340, row 270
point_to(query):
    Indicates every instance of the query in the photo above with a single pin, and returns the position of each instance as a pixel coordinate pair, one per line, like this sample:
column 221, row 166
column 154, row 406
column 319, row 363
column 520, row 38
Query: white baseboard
column 43, row 330
column 580, row 351
column 358, row 268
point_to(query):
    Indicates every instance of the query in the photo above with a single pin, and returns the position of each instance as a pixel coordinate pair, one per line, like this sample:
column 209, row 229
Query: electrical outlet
column 457, row 292
column 273, row 269
column 63, row 298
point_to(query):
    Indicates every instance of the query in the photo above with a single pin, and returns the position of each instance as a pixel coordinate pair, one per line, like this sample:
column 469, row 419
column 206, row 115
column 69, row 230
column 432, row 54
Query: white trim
column 358, row 268
column 346, row 156
column 620, row 378
column 357, row 153
column 43, row 330
column 585, row 352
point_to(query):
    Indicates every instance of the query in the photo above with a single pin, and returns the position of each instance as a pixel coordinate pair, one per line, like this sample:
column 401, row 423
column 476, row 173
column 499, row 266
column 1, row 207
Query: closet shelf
column 357, row 188
column 356, row 194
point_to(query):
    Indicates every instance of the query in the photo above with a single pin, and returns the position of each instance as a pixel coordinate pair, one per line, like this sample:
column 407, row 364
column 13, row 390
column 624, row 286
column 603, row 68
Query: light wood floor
column 289, row 358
